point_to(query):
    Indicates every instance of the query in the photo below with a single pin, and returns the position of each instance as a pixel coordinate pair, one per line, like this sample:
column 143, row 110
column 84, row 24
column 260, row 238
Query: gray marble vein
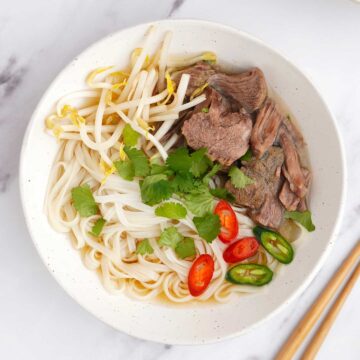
column 4, row 179
column 10, row 77
column 175, row 7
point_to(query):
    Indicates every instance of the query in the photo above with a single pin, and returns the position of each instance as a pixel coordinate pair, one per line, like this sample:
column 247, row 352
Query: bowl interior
column 205, row 322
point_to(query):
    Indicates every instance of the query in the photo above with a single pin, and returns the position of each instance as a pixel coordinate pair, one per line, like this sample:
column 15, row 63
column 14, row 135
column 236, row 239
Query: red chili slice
column 228, row 220
column 241, row 250
column 200, row 274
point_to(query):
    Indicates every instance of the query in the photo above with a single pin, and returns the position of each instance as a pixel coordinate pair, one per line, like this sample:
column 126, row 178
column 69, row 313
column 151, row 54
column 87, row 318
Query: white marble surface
column 37, row 39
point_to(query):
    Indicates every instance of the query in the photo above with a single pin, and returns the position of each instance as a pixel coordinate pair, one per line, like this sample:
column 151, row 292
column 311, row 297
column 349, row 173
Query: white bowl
column 206, row 322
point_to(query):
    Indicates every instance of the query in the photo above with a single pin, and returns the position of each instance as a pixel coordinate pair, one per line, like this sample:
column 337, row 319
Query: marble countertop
column 38, row 320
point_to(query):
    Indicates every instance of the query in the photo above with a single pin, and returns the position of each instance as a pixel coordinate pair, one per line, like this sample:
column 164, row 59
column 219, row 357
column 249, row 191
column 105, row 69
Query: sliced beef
column 289, row 199
column 247, row 88
column 265, row 128
column 289, row 127
column 261, row 197
column 199, row 75
column 292, row 169
column 270, row 213
column 302, row 205
column 224, row 133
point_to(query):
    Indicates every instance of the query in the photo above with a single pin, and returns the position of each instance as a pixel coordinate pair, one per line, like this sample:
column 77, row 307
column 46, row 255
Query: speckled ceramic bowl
column 197, row 323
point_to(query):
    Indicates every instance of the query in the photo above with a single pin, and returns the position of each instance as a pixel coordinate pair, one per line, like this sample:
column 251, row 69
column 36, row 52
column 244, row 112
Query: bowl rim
column 343, row 177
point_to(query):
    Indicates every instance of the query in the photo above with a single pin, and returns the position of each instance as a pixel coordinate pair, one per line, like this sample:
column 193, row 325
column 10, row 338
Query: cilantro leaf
column 185, row 248
column 144, row 247
column 98, row 226
column 130, row 136
column 222, row 193
column 303, row 218
column 205, row 110
column 200, row 162
column 183, row 183
column 200, row 201
column 179, row 160
column 238, row 178
column 83, row 201
column 211, row 173
column 208, row 226
column 125, row 169
column 139, row 161
column 155, row 188
column 171, row 210
column 247, row 156
column 158, row 169
column 170, row 237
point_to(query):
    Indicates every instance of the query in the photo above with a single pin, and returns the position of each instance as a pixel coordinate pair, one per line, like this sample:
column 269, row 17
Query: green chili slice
column 249, row 274
column 274, row 244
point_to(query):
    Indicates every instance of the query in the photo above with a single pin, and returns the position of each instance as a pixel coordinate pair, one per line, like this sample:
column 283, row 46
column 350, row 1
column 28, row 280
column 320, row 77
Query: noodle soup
column 177, row 180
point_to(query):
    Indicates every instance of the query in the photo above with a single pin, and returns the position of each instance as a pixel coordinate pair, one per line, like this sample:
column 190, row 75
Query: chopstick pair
column 312, row 316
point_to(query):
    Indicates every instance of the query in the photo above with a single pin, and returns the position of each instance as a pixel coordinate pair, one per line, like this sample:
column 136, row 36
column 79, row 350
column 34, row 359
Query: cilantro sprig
column 83, row 201
column 303, row 218
column 238, row 178
column 137, row 164
column 208, row 226
column 184, row 246
column 170, row 237
column 200, row 201
column 98, row 226
column 155, row 188
column 144, row 247
column 185, row 174
column 171, row 210
column 130, row 136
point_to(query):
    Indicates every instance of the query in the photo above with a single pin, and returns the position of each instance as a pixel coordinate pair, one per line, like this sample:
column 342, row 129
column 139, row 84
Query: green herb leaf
column 205, row 109
column 179, row 160
column 155, row 188
column 158, row 169
column 303, row 218
column 125, row 169
column 170, row 237
column 83, row 201
column 247, row 156
column 144, row 247
column 200, row 201
column 98, row 226
column 183, row 183
column 139, row 161
column 200, row 162
column 130, row 136
column 211, row 173
column 208, row 226
column 238, row 178
column 222, row 193
column 171, row 210
column 185, row 248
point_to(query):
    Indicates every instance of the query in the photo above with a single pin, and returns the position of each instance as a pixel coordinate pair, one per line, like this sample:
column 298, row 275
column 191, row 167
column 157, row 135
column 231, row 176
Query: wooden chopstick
column 306, row 324
column 325, row 326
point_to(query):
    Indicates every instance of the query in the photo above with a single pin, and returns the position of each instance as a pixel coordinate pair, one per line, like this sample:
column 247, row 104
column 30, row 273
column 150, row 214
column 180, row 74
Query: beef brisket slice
column 199, row 75
column 224, row 133
column 261, row 197
column 247, row 88
column 265, row 128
